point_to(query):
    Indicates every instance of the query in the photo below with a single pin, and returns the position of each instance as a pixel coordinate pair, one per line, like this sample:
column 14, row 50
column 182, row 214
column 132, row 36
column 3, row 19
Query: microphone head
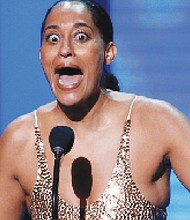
column 61, row 139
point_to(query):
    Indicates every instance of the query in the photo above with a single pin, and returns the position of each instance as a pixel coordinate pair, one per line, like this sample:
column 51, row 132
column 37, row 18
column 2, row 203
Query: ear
column 40, row 54
column 110, row 53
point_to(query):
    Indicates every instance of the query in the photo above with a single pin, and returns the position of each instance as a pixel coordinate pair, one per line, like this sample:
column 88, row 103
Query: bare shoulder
column 12, row 148
column 148, row 108
column 171, row 129
column 14, row 145
column 153, row 114
column 16, row 135
column 166, row 130
column 119, row 96
column 159, row 111
column 49, row 107
column 21, row 130
column 19, row 126
column 22, row 126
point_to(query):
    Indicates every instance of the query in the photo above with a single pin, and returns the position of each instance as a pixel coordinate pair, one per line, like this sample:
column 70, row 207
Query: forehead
column 69, row 10
column 77, row 6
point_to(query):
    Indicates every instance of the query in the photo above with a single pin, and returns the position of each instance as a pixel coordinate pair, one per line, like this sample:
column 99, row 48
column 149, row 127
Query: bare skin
column 149, row 148
column 159, row 133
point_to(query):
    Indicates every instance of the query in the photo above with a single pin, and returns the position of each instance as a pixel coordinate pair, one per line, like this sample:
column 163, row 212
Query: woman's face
column 72, row 53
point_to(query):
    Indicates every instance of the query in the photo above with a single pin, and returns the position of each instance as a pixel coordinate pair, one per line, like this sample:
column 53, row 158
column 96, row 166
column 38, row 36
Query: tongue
column 68, row 80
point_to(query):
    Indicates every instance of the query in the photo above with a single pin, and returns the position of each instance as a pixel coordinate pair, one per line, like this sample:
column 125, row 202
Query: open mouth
column 68, row 71
column 68, row 76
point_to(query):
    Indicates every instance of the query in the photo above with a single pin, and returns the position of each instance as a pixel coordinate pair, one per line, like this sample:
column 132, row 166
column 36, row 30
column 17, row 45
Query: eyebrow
column 82, row 24
column 51, row 27
column 76, row 25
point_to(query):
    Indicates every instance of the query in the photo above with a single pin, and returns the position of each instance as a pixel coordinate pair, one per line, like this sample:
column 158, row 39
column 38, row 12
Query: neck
column 84, row 110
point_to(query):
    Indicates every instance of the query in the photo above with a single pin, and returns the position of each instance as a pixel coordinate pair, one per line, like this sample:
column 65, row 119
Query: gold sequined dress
column 120, row 200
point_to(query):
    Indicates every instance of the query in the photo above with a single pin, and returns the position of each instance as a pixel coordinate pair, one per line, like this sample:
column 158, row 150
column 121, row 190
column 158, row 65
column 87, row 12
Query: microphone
column 61, row 140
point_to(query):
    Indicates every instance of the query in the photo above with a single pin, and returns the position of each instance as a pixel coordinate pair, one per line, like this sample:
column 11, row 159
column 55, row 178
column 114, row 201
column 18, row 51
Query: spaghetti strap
column 131, row 108
column 36, row 118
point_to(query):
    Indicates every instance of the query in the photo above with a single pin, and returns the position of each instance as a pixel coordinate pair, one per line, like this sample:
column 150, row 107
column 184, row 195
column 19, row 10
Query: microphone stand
column 58, row 153
column 83, row 203
column 61, row 140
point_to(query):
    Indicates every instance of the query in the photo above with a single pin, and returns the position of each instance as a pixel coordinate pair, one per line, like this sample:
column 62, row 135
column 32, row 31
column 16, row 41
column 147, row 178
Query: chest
column 86, row 171
column 109, row 203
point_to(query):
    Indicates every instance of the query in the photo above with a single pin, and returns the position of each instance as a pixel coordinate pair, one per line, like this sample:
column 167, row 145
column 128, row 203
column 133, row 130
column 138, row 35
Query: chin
column 69, row 100
column 77, row 98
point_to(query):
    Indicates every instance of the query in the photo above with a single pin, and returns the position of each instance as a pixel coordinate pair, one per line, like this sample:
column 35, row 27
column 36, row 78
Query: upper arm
column 170, row 129
column 12, row 196
column 179, row 146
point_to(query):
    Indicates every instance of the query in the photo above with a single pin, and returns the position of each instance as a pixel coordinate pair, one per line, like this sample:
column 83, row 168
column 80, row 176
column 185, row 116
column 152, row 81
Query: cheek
column 95, row 63
column 46, row 57
column 92, row 57
column 46, row 62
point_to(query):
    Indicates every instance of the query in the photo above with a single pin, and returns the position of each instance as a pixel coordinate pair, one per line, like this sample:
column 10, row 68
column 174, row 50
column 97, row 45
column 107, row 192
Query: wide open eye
column 81, row 36
column 53, row 38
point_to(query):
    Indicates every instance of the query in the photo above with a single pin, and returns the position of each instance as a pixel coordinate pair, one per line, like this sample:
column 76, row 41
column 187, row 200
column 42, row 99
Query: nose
column 65, row 49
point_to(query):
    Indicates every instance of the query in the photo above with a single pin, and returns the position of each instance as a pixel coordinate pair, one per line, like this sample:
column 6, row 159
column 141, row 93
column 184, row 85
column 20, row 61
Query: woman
column 129, row 143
